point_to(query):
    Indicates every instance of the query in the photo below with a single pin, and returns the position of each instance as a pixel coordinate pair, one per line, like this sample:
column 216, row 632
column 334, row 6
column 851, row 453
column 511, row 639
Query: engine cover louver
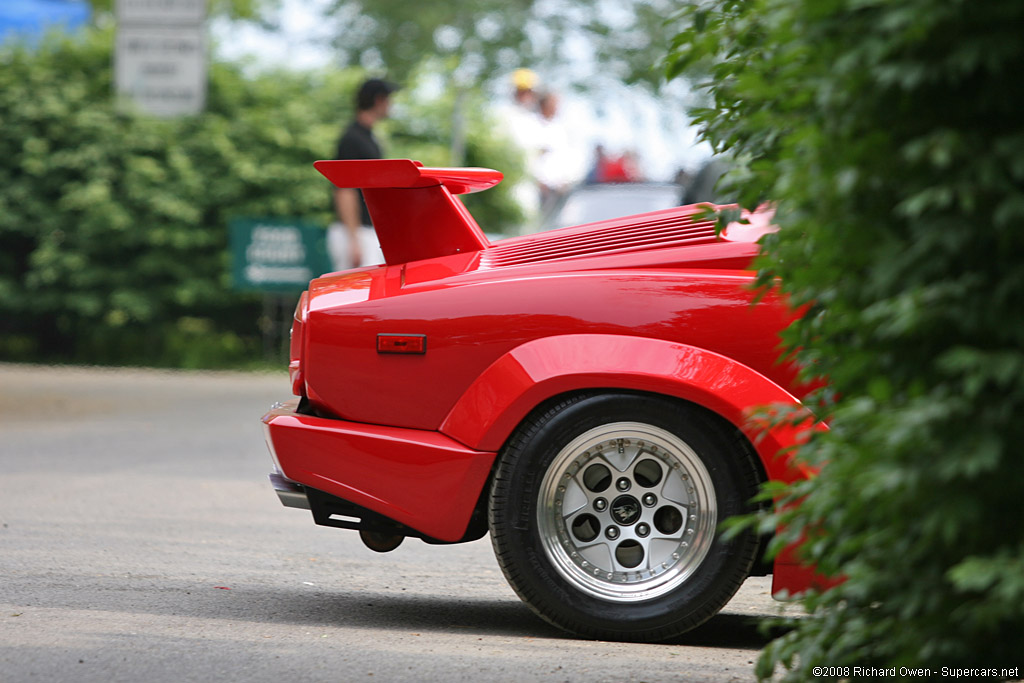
column 606, row 237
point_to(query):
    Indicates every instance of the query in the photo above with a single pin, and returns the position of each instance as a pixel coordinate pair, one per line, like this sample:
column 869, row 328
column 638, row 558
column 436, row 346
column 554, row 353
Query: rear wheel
column 604, row 511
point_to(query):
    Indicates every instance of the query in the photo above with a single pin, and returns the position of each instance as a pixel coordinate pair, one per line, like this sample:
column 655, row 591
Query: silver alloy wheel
column 626, row 512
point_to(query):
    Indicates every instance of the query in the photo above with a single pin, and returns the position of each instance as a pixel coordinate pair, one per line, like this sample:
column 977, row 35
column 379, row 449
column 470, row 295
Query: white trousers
column 337, row 247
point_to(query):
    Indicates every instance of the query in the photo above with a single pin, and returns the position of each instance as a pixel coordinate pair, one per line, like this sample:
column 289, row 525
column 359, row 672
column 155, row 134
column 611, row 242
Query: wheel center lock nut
column 625, row 510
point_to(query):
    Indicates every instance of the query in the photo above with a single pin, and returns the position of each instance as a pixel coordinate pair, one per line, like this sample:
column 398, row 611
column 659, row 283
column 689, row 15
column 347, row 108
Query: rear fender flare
column 502, row 396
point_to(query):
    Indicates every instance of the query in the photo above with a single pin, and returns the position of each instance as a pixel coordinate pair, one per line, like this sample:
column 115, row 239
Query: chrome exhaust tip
column 291, row 494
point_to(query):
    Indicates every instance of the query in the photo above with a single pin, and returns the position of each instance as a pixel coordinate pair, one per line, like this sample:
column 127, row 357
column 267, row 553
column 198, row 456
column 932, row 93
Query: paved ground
column 140, row 541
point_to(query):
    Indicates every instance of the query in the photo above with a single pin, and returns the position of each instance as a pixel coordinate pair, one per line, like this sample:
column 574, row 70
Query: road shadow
column 429, row 614
column 733, row 631
column 414, row 613
column 315, row 606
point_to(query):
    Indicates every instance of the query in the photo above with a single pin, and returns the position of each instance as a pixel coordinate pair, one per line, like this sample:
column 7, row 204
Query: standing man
column 351, row 241
column 556, row 166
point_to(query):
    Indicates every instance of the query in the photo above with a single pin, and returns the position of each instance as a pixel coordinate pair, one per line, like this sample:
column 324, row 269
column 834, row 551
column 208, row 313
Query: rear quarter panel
column 470, row 325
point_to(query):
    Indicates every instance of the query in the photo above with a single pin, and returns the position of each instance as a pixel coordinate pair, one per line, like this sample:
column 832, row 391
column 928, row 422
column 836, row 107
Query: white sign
column 161, row 12
column 160, row 60
column 276, row 244
column 163, row 70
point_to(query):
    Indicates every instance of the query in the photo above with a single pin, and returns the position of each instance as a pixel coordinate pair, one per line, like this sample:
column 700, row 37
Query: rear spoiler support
column 414, row 210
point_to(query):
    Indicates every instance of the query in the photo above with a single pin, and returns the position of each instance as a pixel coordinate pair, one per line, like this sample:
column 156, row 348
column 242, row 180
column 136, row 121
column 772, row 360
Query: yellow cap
column 524, row 79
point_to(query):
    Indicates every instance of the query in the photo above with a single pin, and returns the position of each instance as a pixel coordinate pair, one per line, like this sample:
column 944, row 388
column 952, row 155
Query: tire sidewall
column 535, row 578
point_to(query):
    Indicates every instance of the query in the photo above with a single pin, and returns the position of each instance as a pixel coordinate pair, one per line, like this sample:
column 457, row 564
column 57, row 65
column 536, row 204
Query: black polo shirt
column 357, row 142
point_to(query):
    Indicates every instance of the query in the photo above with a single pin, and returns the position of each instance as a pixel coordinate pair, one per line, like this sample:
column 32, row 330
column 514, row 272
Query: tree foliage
column 484, row 39
column 114, row 224
column 889, row 137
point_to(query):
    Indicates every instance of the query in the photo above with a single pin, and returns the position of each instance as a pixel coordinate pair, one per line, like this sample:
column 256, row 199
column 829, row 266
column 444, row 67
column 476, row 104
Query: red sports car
column 583, row 394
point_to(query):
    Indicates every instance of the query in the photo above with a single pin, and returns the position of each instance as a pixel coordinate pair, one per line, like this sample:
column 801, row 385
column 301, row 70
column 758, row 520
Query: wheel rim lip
column 695, row 536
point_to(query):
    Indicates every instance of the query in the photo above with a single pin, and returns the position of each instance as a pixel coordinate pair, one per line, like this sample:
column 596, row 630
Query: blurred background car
column 591, row 203
column 594, row 202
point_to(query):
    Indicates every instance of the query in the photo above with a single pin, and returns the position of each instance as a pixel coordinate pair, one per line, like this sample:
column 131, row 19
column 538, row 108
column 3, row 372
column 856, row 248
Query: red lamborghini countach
column 583, row 395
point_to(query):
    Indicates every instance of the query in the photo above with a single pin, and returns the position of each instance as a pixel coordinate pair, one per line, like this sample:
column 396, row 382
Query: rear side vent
column 608, row 237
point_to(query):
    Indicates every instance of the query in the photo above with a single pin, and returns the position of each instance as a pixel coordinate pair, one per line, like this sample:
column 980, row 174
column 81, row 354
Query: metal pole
column 459, row 128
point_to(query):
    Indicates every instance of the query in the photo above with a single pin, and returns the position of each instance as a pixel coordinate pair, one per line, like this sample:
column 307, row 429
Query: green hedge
column 890, row 137
column 113, row 225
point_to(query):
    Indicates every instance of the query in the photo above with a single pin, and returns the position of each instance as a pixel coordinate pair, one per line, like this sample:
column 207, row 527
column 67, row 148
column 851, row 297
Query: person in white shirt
column 555, row 163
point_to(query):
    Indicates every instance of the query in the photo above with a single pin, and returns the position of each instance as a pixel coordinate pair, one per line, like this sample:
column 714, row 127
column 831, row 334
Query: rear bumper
column 422, row 479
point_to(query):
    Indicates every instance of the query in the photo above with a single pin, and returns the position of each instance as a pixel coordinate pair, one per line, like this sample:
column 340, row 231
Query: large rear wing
column 414, row 210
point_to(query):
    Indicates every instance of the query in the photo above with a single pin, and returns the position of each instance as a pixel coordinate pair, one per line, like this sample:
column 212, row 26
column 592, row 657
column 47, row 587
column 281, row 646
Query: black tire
column 584, row 570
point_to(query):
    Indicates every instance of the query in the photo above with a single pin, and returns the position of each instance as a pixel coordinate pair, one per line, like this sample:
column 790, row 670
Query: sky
column 618, row 117
column 32, row 17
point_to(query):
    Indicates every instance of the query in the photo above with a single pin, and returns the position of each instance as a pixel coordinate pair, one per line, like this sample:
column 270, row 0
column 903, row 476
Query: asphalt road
column 140, row 541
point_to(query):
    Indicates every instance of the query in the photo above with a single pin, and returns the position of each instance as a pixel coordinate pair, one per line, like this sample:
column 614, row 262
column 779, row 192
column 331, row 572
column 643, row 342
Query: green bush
column 114, row 224
column 890, row 137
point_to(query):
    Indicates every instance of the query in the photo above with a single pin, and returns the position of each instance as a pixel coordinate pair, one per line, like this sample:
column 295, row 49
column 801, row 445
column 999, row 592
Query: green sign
column 276, row 254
